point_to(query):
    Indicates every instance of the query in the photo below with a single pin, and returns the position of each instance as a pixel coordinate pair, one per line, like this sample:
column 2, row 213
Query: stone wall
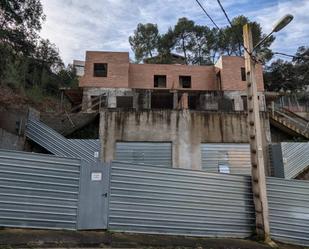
column 185, row 129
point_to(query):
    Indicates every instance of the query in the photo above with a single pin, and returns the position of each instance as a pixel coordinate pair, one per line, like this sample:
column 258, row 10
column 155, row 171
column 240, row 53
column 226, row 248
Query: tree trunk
column 184, row 49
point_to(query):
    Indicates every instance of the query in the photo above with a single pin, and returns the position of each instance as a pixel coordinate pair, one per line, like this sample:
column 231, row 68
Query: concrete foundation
column 141, row 99
column 30, row 238
column 185, row 129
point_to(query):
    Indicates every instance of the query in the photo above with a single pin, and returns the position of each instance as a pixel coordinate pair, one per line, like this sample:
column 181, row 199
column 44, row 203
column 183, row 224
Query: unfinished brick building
column 170, row 115
column 122, row 84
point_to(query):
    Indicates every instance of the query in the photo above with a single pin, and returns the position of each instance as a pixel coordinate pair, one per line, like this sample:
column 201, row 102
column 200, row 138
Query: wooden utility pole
column 255, row 138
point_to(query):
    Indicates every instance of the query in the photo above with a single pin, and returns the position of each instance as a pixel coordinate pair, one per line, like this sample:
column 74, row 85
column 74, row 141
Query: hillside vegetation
column 32, row 69
column 29, row 65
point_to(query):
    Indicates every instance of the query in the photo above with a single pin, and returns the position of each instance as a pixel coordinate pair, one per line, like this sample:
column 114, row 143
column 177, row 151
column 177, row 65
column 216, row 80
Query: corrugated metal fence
column 295, row 158
column 91, row 145
column 38, row 191
column 58, row 144
column 145, row 153
column 45, row 191
column 234, row 156
column 175, row 201
column 289, row 210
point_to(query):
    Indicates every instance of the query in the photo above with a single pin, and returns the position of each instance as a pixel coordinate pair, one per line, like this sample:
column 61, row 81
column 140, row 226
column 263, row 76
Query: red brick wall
column 122, row 74
column 142, row 76
column 231, row 74
column 117, row 74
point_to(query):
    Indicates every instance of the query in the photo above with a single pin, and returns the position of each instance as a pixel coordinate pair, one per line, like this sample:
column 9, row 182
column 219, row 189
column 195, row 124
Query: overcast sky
column 79, row 25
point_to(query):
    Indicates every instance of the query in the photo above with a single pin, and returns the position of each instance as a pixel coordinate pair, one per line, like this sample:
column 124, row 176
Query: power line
column 210, row 18
column 227, row 17
column 250, row 54
column 275, row 53
column 207, row 14
column 231, row 24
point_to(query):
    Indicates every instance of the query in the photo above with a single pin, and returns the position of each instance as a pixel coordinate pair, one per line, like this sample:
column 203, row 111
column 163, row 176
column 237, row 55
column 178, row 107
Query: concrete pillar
column 175, row 100
column 262, row 102
column 186, row 142
column 86, row 104
column 107, row 137
column 256, row 144
column 273, row 108
column 147, row 100
column 135, row 100
column 184, row 101
column 202, row 101
column 238, row 103
column 111, row 101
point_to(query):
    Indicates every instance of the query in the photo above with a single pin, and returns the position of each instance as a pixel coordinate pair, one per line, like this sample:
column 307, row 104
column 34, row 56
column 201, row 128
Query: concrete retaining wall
column 186, row 130
column 10, row 141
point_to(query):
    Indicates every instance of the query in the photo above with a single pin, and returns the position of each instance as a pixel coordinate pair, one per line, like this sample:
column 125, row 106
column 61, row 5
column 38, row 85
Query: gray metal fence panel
column 58, row 144
column 236, row 156
column 176, row 201
column 288, row 202
column 295, row 158
column 38, row 191
column 145, row 153
column 276, row 160
column 91, row 145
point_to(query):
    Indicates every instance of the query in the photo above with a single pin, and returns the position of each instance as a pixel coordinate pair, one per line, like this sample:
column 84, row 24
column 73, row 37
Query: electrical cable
column 224, row 12
column 207, row 14
column 250, row 54
column 239, row 42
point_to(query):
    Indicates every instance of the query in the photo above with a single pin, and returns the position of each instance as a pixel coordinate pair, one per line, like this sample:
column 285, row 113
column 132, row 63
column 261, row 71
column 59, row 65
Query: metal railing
column 291, row 119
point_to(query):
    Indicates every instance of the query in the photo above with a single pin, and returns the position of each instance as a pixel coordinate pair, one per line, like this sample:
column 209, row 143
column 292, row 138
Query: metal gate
column 45, row 191
column 145, row 153
column 152, row 199
column 235, row 157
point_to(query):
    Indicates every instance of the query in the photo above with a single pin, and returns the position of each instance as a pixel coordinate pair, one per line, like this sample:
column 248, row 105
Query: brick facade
column 117, row 70
column 123, row 74
column 142, row 76
column 230, row 70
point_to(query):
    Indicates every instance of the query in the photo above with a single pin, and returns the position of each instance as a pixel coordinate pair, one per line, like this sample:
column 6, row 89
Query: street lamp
column 255, row 132
column 280, row 24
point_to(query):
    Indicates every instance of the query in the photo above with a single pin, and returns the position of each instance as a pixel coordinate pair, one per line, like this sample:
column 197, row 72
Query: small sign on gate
column 96, row 176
